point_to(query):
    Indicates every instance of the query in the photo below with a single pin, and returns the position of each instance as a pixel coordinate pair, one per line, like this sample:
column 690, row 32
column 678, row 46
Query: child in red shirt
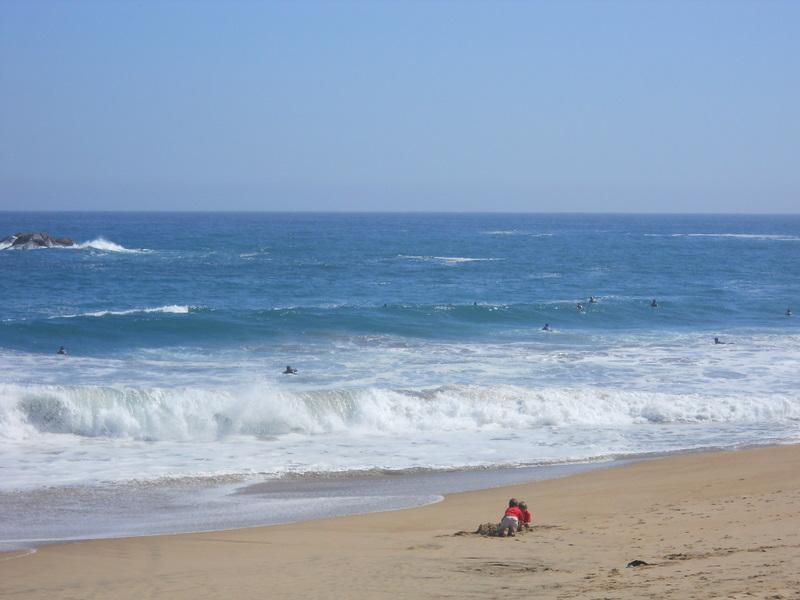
column 527, row 517
column 511, row 519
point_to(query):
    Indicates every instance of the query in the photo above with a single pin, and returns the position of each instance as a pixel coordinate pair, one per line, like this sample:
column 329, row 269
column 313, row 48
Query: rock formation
column 33, row 240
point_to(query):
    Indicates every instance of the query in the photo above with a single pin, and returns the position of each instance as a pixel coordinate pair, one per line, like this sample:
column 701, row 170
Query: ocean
column 420, row 354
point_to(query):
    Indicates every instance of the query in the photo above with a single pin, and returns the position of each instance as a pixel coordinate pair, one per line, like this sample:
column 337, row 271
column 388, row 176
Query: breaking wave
column 106, row 246
column 205, row 414
column 447, row 260
column 516, row 232
column 171, row 308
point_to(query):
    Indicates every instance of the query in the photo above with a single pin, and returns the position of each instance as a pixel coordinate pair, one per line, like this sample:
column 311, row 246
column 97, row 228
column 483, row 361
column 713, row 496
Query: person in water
column 546, row 327
column 290, row 370
column 718, row 341
column 654, row 304
column 61, row 350
column 592, row 300
column 789, row 312
column 579, row 307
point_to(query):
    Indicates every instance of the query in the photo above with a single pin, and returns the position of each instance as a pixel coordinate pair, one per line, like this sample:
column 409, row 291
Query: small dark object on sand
column 490, row 529
column 638, row 563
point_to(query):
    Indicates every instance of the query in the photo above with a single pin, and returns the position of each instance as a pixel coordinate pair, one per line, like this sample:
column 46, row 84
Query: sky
column 611, row 106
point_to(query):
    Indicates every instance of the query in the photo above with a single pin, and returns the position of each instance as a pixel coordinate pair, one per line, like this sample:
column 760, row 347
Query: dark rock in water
column 638, row 563
column 34, row 240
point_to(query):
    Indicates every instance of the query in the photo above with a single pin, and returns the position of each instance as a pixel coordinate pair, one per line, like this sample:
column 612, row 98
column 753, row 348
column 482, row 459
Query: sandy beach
column 710, row 525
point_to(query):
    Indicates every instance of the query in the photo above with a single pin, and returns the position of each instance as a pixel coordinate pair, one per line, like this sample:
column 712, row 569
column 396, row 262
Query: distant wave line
column 743, row 236
column 449, row 260
column 170, row 308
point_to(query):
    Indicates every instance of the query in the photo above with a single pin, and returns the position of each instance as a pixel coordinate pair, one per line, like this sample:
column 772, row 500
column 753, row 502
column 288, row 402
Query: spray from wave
column 105, row 245
column 207, row 414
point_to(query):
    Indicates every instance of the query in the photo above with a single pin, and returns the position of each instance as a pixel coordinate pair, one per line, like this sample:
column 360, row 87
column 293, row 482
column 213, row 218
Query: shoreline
column 371, row 492
column 706, row 522
column 255, row 503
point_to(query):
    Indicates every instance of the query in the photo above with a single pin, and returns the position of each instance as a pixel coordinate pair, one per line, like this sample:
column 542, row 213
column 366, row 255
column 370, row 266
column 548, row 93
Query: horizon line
column 392, row 212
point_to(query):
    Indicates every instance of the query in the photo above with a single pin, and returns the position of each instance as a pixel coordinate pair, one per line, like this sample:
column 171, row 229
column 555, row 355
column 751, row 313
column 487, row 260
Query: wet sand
column 717, row 525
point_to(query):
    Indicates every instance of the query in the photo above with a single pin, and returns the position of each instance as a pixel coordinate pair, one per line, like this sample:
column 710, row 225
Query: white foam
column 380, row 404
column 105, row 245
column 208, row 413
column 516, row 232
column 447, row 260
column 170, row 309
column 51, row 435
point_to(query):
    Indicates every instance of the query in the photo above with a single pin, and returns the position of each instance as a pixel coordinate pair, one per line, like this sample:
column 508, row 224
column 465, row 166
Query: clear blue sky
column 522, row 106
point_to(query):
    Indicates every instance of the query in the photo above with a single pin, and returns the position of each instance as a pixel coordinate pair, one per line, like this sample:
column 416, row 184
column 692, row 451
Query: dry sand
column 721, row 525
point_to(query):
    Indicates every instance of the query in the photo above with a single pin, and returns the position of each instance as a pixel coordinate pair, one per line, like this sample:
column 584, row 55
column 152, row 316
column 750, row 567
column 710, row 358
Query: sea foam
column 105, row 245
column 169, row 309
column 210, row 413
column 447, row 260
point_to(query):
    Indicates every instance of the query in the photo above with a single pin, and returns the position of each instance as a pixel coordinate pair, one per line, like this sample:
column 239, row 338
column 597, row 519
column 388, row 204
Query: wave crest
column 206, row 414
column 177, row 309
column 446, row 260
column 105, row 245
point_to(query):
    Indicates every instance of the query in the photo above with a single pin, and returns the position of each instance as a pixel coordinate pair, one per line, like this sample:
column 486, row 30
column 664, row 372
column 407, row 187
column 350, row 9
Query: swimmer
column 546, row 327
column 61, row 350
column 718, row 341
column 290, row 370
column 592, row 300
column 789, row 312
column 654, row 304
column 579, row 307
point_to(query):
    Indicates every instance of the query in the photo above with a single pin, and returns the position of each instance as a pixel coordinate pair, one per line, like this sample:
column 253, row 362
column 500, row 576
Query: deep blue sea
column 417, row 338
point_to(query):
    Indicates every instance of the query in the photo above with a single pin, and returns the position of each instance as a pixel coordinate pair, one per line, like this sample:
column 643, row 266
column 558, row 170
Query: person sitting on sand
column 527, row 517
column 511, row 518
column 290, row 370
column 61, row 350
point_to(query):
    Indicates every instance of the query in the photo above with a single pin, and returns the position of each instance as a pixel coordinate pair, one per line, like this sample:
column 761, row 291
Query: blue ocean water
column 417, row 338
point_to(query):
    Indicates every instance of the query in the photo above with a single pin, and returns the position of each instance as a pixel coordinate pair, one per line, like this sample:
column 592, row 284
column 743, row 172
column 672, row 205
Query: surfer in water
column 290, row 370
column 579, row 307
column 654, row 304
column 546, row 327
column 592, row 300
column 789, row 312
column 718, row 341
column 61, row 350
